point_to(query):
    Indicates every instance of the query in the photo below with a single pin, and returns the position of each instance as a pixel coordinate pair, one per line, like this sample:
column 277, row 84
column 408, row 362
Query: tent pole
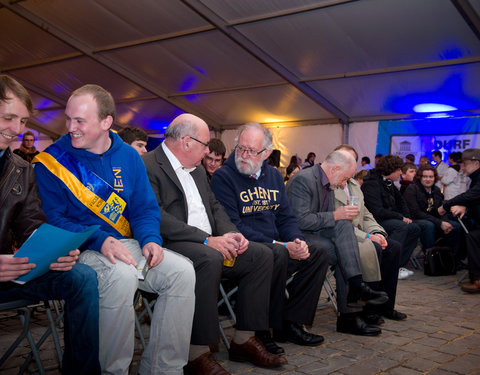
column 346, row 131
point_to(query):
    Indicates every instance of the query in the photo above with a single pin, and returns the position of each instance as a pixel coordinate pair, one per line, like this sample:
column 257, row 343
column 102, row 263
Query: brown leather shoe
column 471, row 288
column 206, row 364
column 253, row 351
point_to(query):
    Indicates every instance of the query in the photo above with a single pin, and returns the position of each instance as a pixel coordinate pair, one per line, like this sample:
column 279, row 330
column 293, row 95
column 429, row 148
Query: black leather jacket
column 470, row 199
column 20, row 205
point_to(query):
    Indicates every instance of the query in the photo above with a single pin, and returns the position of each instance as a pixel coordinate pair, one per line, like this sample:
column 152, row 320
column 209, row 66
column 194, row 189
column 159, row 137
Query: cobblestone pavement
column 441, row 336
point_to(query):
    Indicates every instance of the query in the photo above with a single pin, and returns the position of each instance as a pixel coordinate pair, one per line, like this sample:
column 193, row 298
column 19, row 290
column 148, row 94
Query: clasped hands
column 298, row 249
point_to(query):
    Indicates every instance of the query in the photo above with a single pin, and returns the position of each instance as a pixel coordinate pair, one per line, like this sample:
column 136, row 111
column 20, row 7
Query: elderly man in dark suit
column 196, row 225
column 311, row 194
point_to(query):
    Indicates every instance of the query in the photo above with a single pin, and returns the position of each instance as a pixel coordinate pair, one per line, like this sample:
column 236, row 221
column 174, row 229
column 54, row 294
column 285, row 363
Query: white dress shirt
column 197, row 216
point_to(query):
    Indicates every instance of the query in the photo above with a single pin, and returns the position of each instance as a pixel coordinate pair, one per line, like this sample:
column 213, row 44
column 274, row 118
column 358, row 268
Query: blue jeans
column 78, row 288
column 430, row 233
column 427, row 234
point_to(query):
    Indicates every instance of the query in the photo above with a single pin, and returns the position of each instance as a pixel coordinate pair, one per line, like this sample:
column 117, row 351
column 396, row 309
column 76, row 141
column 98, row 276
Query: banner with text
column 420, row 145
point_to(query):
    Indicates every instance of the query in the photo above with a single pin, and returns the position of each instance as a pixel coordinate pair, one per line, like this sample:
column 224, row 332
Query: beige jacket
column 364, row 223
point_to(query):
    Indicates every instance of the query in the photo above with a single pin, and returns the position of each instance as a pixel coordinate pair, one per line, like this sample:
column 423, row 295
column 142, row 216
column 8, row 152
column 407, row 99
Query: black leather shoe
column 394, row 315
column 355, row 325
column 358, row 297
column 372, row 318
column 266, row 338
column 296, row 333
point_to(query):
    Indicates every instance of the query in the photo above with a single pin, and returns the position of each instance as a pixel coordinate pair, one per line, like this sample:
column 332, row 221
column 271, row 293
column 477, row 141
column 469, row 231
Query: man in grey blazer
column 196, row 225
column 311, row 194
column 372, row 236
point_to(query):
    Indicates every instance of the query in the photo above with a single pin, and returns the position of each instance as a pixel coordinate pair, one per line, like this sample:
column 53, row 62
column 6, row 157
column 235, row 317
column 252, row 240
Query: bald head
column 185, row 124
column 187, row 137
column 339, row 166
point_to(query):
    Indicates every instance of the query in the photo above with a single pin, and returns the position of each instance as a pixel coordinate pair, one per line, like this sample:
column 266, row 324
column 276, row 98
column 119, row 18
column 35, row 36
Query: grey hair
column 181, row 127
column 340, row 158
column 267, row 135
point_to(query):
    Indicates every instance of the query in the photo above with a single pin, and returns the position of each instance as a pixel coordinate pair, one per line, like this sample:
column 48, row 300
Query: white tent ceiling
column 281, row 62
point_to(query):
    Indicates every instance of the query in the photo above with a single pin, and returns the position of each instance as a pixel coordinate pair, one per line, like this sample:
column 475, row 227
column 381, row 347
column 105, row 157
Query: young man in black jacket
column 389, row 209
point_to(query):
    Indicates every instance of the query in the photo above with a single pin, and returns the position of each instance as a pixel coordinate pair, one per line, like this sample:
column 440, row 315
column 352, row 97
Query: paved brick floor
column 441, row 336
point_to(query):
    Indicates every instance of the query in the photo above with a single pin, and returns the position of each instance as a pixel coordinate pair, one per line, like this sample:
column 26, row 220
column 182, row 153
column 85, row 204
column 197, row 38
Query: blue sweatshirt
column 258, row 208
column 123, row 169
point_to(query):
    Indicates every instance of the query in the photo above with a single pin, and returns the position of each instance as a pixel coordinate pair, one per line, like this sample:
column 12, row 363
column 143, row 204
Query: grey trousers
column 342, row 247
column 174, row 282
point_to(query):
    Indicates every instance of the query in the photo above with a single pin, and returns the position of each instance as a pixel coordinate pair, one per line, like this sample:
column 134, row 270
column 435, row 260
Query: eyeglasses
column 203, row 143
column 248, row 151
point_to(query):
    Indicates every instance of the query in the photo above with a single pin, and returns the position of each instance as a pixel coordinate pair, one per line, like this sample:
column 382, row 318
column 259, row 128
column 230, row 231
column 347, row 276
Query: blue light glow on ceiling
column 433, row 107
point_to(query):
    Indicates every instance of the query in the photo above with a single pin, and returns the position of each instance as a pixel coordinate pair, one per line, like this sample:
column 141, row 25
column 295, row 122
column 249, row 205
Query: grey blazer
column 305, row 193
column 172, row 203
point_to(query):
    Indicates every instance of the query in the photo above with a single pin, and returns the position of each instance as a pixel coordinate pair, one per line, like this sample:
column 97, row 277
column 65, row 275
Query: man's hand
column 441, row 211
column 225, row 244
column 155, row 251
column 345, row 213
column 446, row 227
column 407, row 220
column 458, row 211
column 67, row 262
column 378, row 238
column 298, row 249
column 113, row 248
column 12, row 268
column 241, row 241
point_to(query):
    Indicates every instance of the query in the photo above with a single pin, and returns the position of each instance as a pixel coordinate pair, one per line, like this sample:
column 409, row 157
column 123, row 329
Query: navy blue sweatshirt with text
column 259, row 208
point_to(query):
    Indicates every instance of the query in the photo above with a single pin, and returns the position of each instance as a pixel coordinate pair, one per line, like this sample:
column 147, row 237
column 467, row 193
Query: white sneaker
column 402, row 273
column 410, row 273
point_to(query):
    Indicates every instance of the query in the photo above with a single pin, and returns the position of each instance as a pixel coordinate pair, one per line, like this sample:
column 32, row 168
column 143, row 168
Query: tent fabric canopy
column 277, row 62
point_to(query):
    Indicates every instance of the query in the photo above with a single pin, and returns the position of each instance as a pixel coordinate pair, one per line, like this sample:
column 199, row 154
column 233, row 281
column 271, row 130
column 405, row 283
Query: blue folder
column 46, row 245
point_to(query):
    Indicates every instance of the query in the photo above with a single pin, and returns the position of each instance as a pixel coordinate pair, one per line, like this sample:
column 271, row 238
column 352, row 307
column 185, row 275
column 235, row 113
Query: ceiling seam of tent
column 266, row 59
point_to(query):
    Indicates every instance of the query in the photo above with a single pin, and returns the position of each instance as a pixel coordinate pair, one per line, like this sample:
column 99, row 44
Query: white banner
column 423, row 145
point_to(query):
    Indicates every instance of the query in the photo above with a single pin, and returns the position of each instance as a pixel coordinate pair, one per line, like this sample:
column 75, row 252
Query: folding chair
column 24, row 309
column 416, row 256
column 147, row 301
column 225, row 300
column 329, row 290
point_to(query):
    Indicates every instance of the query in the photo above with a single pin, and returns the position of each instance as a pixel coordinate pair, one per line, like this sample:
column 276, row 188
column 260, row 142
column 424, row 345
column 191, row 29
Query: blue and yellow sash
column 92, row 191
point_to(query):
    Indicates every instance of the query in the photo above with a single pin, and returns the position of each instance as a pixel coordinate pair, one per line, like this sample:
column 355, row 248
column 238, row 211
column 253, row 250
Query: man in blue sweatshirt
column 88, row 177
column 253, row 194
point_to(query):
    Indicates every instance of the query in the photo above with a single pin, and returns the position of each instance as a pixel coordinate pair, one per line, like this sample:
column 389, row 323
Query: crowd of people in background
column 199, row 216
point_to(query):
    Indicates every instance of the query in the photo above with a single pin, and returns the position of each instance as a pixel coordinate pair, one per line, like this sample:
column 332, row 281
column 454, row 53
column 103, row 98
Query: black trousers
column 406, row 234
column 389, row 260
column 305, row 288
column 472, row 240
column 253, row 272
